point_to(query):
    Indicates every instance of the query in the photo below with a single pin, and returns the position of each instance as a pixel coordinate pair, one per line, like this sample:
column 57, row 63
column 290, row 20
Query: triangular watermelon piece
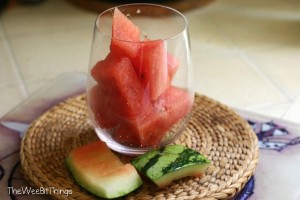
column 120, row 86
column 125, row 36
column 151, row 66
column 173, row 65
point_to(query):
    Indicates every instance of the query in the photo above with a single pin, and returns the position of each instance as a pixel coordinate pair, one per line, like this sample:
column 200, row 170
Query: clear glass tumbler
column 139, row 91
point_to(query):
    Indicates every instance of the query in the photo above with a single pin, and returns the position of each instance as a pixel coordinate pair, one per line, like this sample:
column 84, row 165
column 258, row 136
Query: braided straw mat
column 214, row 130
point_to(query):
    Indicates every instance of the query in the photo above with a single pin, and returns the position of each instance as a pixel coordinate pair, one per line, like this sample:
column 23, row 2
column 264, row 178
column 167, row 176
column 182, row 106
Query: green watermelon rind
column 171, row 163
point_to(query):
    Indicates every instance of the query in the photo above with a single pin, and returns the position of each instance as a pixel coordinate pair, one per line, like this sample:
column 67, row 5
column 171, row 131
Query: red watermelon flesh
column 137, row 99
column 151, row 66
column 96, row 71
column 99, row 153
column 125, row 36
column 140, row 132
column 172, row 62
column 100, row 105
column 171, row 106
column 173, row 65
column 126, row 134
column 175, row 103
column 120, row 85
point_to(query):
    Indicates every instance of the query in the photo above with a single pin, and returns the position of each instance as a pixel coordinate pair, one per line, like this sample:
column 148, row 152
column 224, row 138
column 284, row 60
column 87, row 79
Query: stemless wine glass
column 139, row 91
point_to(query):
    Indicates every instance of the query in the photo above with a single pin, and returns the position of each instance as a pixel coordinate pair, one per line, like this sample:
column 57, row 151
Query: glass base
column 132, row 151
column 105, row 136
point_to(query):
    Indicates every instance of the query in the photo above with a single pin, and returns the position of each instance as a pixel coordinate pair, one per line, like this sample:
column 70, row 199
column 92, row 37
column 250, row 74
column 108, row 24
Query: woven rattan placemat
column 214, row 130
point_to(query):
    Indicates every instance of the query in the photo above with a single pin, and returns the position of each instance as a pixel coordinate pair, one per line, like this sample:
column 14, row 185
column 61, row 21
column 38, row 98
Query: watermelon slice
column 170, row 163
column 151, row 66
column 101, row 172
column 125, row 36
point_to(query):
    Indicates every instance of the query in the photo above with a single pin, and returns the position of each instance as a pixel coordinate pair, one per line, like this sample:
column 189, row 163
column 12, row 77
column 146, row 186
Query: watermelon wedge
column 173, row 65
column 125, row 36
column 101, row 172
column 151, row 66
column 171, row 163
column 120, row 86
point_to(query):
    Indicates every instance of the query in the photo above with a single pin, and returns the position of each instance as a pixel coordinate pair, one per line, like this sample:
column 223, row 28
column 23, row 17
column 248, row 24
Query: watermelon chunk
column 101, row 172
column 125, row 36
column 171, row 106
column 121, row 86
column 173, row 65
column 99, row 103
column 170, row 163
column 151, row 66
column 172, row 62
column 141, row 132
column 125, row 134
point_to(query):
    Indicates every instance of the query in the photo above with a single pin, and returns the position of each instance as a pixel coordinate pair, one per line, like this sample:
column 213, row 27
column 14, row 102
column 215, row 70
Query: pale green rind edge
column 121, row 190
column 190, row 170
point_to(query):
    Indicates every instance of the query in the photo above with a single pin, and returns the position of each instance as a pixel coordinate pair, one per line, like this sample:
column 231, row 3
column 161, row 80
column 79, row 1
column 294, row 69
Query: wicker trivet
column 214, row 130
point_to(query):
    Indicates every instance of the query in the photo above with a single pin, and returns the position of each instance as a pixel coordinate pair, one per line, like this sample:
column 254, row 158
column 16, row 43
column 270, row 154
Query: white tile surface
column 256, row 32
column 282, row 66
column 231, row 80
column 45, row 56
column 293, row 113
column 7, row 72
column 277, row 111
column 205, row 35
column 11, row 96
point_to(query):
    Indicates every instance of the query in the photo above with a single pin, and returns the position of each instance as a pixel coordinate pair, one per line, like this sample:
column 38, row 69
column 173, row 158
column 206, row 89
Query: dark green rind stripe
column 157, row 163
column 156, row 159
column 153, row 161
column 141, row 161
column 186, row 158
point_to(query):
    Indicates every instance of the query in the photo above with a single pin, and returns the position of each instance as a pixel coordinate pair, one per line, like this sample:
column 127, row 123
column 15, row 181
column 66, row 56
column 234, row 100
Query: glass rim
column 185, row 27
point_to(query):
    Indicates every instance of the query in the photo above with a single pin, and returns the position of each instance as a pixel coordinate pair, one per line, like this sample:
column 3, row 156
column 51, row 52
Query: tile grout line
column 255, row 67
column 265, row 105
column 13, row 61
column 291, row 106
